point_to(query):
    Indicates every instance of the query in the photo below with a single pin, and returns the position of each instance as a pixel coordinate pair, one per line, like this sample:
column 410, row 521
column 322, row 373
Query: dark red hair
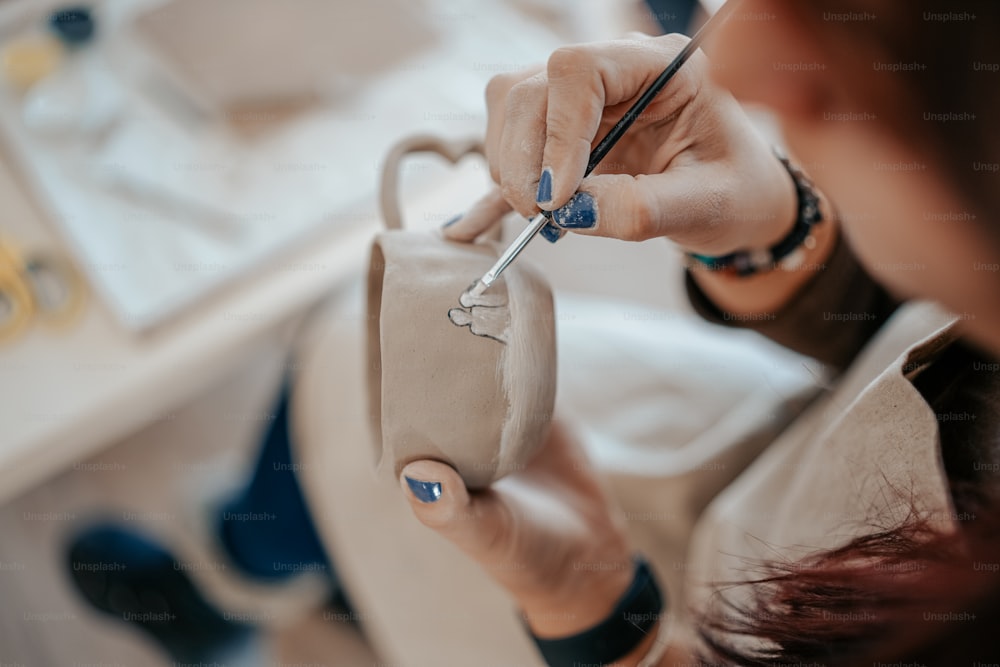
column 905, row 592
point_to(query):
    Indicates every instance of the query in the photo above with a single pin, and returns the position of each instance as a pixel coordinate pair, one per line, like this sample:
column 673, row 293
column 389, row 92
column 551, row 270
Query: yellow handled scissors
column 40, row 286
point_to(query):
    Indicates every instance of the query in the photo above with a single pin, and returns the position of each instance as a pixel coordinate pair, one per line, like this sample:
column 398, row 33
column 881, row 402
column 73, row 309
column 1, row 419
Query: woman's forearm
column 829, row 312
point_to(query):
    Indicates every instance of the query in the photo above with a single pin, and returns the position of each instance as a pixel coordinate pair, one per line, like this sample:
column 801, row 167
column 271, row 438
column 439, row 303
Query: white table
column 64, row 395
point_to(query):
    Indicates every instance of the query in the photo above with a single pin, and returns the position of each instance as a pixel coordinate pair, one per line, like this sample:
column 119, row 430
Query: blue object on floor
column 73, row 25
column 131, row 578
column 267, row 529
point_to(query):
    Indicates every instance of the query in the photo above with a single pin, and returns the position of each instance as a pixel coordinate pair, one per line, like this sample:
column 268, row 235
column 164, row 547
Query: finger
column 483, row 215
column 585, row 79
column 686, row 204
column 496, row 107
column 438, row 497
column 520, row 151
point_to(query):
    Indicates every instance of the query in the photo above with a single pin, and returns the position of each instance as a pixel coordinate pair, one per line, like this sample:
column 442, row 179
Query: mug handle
column 452, row 150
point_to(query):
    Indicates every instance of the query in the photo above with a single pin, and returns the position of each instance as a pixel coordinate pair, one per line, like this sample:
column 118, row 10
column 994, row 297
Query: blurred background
column 181, row 182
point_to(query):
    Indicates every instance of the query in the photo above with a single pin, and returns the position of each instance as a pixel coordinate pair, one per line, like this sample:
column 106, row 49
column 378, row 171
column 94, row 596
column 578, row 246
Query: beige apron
column 861, row 460
column 424, row 603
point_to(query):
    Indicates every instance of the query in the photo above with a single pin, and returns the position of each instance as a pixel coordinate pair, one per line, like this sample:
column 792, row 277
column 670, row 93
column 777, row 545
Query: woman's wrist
column 581, row 603
column 765, row 293
column 780, row 251
column 620, row 629
column 761, row 279
column 782, row 218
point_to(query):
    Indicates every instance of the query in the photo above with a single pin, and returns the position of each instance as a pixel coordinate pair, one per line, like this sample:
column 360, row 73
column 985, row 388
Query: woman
column 865, row 518
column 885, row 105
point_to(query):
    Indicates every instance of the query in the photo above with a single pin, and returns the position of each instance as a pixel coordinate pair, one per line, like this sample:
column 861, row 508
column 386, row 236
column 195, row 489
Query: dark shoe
column 129, row 577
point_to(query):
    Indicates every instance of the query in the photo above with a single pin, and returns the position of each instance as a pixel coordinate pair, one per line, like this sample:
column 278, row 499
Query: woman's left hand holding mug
column 546, row 533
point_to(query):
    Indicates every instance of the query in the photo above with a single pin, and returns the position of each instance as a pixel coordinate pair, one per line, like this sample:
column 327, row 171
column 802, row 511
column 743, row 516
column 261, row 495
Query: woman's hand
column 546, row 533
column 691, row 168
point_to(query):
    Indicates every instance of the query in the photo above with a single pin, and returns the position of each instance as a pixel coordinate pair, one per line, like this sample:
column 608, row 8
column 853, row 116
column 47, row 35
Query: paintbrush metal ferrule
column 510, row 254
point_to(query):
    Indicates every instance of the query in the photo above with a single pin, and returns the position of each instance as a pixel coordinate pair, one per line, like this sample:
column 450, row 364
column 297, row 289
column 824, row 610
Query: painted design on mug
column 486, row 315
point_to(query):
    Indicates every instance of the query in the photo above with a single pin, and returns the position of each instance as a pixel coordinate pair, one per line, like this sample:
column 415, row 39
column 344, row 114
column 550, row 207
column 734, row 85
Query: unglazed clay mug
column 471, row 384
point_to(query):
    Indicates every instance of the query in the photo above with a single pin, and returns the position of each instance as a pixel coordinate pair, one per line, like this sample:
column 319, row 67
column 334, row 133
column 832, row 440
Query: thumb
column 475, row 523
column 685, row 204
column 585, row 79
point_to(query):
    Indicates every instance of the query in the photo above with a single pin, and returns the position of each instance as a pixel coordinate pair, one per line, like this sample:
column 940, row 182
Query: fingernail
column 551, row 233
column 580, row 212
column 426, row 492
column 452, row 221
column 544, row 195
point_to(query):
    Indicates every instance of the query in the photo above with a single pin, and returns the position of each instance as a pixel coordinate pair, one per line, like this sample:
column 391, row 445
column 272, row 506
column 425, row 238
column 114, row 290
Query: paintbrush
column 602, row 148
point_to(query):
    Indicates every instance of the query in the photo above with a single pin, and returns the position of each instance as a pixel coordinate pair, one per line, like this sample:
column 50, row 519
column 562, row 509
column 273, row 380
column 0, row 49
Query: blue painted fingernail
column 426, row 492
column 580, row 212
column 452, row 221
column 544, row 195
column 551, row 233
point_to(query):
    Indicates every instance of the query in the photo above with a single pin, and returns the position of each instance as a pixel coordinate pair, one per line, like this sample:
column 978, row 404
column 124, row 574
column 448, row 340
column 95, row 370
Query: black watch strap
column 621, row 632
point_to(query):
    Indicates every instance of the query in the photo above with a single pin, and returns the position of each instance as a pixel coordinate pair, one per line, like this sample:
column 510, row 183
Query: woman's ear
column 764, row 56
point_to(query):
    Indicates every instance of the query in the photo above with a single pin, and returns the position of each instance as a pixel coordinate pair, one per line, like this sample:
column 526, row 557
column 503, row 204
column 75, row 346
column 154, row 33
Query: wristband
column 788, row 252
column 635, row 614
